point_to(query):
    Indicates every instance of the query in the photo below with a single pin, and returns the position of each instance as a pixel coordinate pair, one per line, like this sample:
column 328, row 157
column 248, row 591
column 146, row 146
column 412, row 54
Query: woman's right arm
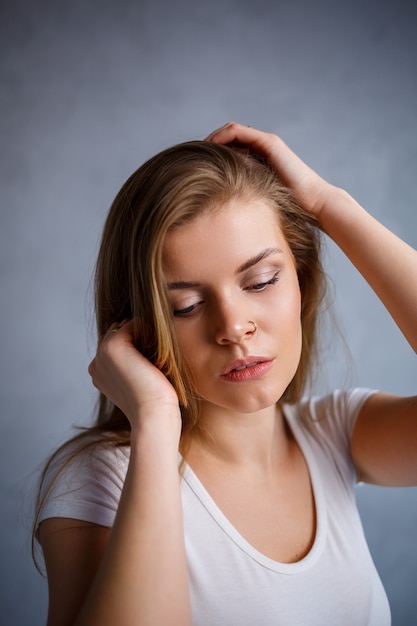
column 135, row 574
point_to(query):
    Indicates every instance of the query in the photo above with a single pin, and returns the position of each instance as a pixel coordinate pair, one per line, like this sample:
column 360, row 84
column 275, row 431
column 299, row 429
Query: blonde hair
column 170, row 189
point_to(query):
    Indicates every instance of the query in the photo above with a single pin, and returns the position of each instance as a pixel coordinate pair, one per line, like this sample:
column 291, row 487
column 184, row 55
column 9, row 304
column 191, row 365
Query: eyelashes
column 254, row 288
column 185, row 312
column 264, row 285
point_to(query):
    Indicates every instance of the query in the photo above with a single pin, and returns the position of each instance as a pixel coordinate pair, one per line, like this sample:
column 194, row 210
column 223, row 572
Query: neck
column 260, row 439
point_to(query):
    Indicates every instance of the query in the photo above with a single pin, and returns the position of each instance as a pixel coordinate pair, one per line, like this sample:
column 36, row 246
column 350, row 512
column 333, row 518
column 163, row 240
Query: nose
column 233, row 326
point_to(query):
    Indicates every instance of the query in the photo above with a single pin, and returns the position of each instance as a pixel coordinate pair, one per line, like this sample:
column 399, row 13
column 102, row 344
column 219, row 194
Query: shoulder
column 330, row 417
column 323, row 427
column 84, row 480
column 91, row 457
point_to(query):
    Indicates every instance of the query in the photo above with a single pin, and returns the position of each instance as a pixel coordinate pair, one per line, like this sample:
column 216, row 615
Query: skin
column 246, row 456
column 243, row 438
column 211, row 316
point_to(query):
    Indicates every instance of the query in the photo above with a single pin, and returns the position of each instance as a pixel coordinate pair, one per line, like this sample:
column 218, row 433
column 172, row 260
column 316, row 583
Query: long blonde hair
column 170, row 189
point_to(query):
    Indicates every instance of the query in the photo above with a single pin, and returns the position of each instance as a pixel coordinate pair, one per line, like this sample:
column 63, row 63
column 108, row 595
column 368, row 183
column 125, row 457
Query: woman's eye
column 265, row 284
column 184, row 312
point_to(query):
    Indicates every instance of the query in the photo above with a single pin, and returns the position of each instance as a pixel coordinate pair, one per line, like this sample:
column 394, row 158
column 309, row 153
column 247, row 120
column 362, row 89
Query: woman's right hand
column 102, row 576
column 130, row 380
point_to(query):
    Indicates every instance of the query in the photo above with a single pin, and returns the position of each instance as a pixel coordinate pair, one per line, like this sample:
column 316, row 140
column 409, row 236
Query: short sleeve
column 337, row 413
column 329, row 422
column 85, row 485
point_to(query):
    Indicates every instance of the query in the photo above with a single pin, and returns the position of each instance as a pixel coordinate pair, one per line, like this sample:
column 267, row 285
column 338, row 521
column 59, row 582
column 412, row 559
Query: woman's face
column 224, row 270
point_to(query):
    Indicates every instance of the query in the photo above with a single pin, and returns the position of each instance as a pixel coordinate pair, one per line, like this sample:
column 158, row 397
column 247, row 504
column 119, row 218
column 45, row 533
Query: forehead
column 230, row 233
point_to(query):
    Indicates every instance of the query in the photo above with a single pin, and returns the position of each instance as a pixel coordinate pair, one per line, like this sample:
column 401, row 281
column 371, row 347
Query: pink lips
column 247, row 369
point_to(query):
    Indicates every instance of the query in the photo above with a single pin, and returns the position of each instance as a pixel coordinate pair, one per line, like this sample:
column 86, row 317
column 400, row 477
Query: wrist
column 154, row 428
column 337, row 207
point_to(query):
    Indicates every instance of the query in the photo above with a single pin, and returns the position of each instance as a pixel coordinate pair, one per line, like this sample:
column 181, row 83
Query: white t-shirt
column 231, row 583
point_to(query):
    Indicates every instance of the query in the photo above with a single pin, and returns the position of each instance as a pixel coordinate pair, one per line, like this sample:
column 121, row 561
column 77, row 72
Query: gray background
column 91, row 89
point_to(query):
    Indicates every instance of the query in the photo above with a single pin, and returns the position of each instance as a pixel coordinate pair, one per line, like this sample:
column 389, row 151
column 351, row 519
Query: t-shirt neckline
column 320, row 506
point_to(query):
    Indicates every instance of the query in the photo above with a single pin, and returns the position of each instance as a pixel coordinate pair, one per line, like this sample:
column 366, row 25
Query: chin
column 249, row 401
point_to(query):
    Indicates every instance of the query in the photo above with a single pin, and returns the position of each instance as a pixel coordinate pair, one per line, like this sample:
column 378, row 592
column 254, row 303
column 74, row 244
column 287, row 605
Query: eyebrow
column 257, row 259
column 242, row 268
column 182, row 285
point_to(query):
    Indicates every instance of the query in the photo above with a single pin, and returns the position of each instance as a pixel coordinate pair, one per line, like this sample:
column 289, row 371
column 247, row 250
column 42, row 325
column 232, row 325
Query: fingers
column 233, row 132
column 227, row 130
column 116, row 332
column 122, row 329
column 126, row 377
column 218, row 131
column 309, row 188
column 260, row 143
column 116, row 326
column 114, row 353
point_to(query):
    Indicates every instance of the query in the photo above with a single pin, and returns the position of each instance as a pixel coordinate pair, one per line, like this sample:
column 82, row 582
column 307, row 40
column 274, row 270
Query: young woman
column 210, row 491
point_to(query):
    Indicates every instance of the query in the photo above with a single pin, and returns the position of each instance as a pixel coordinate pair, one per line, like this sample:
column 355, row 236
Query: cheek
column 288, row 320
column 189, row 344
column 285, row 305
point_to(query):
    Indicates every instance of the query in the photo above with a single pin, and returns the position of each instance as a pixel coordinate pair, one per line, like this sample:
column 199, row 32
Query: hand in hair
column 308, row 187
column 129, row 380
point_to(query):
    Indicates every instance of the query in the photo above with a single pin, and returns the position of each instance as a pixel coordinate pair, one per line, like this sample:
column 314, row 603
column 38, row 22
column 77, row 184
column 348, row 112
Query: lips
column 247, row 369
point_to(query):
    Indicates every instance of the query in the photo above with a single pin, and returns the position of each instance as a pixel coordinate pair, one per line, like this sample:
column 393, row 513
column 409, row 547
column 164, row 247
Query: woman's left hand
column 311, row 191
column 383, row 443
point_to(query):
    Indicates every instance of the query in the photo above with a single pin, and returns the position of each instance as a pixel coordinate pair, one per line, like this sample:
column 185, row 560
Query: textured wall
column 91, row 89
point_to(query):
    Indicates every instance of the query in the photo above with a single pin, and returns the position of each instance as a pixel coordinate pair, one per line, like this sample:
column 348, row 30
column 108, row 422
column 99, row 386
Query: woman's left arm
column 384, row 441
column 387, row 263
